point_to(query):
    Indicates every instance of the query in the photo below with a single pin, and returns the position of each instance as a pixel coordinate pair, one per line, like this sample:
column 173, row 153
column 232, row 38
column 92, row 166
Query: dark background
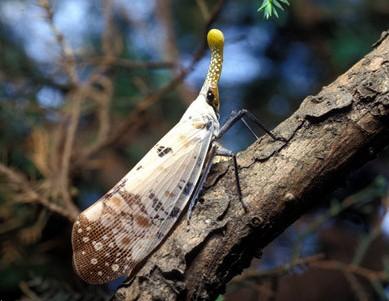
column 270, row 66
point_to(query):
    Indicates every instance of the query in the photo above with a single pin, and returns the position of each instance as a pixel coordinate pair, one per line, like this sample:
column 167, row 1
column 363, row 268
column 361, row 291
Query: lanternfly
column 123, row 227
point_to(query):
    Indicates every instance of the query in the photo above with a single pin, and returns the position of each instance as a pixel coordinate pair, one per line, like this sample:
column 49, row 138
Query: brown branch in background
column 128, row 64
column 27, row 291
column 335, row 265
column 110, row 45
column 276, row 272
column 350, row 271
column 377, row 189
column 165, row 17
column 356, row 287
column 21, row 185
column 171, row 53
column 103, row 99
column 64, row 178
column 69, row 62
column 203, row 9
column 76, row 97
column 102, row 95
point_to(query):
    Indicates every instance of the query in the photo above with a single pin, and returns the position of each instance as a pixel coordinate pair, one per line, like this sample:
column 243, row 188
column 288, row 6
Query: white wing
column 127, row 224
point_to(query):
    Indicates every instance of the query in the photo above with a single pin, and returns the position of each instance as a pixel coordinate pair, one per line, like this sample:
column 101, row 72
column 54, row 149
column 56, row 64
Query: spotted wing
column 126, row 224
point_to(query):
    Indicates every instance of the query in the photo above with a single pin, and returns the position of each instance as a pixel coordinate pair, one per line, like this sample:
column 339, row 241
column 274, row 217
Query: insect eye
column 210, row 96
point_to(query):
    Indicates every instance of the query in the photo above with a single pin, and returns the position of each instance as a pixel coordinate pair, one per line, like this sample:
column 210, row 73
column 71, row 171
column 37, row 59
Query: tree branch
column 331, row 134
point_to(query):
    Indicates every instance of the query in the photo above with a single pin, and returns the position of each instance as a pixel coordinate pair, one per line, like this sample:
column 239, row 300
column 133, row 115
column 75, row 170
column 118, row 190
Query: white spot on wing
column 98, row 246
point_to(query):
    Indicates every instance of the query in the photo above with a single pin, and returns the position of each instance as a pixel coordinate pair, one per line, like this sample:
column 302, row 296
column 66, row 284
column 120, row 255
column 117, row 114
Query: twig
column 69, row 63
column 76, row 98
column 171, row 51
column 103, row 97
column 165, row 17
column 276, row 272
column 67, row 152
column 365, row 243
column 108, row 33
column 376, row 189
column 28, row 292
column 356, row 287
column 203, row 9
column 20, row 183
column 350, row 268
column 125, row 63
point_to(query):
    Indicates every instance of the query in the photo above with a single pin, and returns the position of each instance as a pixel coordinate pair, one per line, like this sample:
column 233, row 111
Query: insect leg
column 201, row 182
column 221, row 151
column 235, row 116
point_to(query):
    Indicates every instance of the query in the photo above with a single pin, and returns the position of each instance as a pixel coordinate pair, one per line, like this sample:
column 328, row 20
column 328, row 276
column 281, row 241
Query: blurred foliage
column 126, row 54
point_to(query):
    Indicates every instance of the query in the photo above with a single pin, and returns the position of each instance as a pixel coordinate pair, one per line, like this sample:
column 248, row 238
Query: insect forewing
column 126, row 224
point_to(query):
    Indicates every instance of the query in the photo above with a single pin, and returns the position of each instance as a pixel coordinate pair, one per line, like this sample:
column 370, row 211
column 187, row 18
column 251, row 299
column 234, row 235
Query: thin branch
column 108, row 34
column 164, row 13
column 70, row 68
column 376, row 189
column 366, row 273
column 356, row 287
column 129, row 64
column 28, row 292
column 20, row 184
column 68, row 148
column 276, row 272
column 69, row 62
column 203, row 9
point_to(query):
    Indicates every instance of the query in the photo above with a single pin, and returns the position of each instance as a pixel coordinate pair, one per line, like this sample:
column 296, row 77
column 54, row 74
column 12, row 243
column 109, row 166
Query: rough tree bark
column 331, row 134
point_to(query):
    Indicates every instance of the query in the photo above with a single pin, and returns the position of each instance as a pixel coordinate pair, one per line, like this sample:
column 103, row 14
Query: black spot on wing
column 160, row 235
column 175, row 212
column 163, row 150
column 187, row 188
column 115, row 189
column 133, row 199
column 139, row 167
column 157, row 204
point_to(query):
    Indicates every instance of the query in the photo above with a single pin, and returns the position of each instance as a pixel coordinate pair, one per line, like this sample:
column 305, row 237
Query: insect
column 123, row 227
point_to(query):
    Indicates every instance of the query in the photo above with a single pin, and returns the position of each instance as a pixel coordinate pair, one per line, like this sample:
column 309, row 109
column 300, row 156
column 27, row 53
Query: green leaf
column 219, row 298
column 271, row 7
column 276, row 3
